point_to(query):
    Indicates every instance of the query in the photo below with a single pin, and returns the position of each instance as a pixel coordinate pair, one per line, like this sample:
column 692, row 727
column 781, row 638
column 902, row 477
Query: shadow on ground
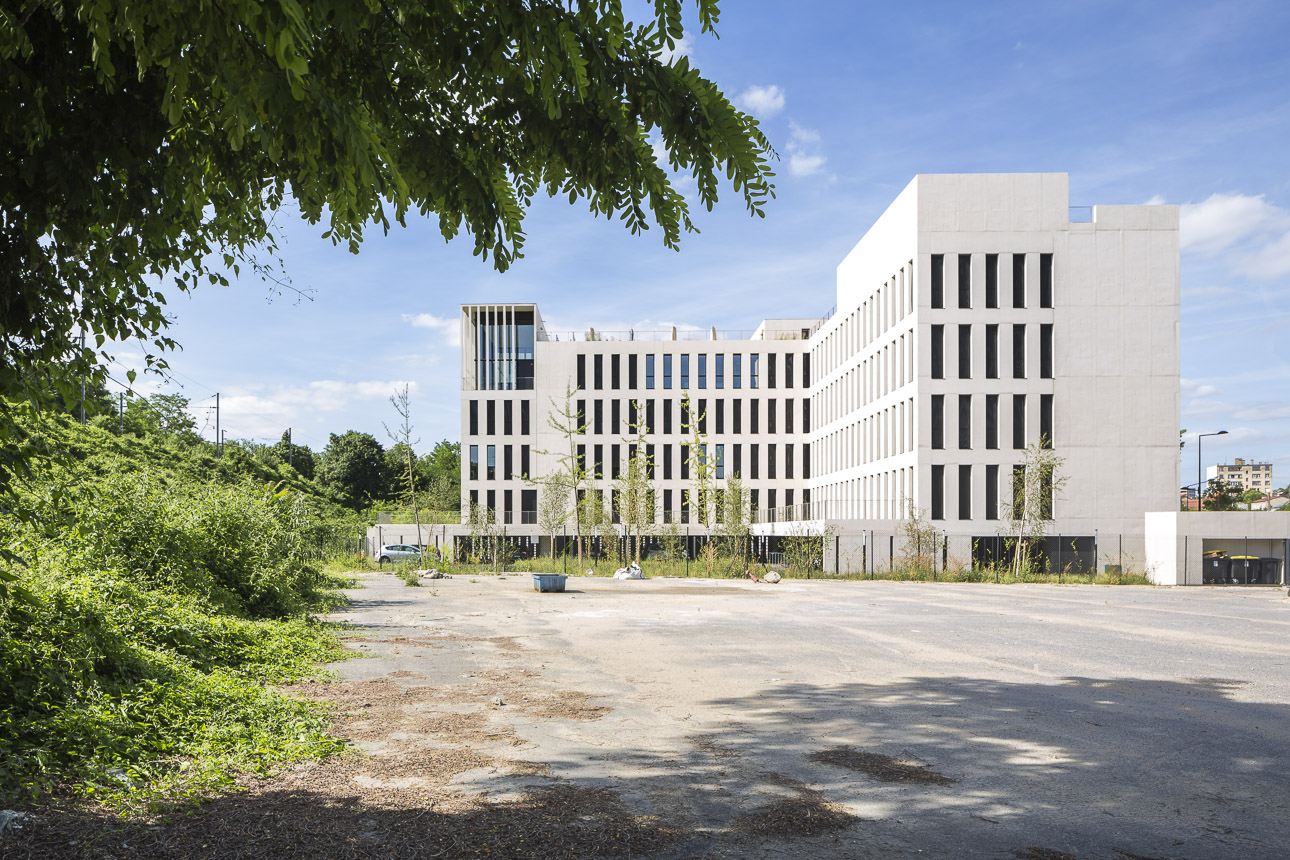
column 1125, row 768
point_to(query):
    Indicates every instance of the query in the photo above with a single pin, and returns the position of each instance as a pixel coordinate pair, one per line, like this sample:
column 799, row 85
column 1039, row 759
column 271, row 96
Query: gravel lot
column 698, row 718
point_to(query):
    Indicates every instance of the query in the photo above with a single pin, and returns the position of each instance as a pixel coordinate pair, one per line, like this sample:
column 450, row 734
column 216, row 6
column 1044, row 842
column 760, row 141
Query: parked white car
column 397, row 552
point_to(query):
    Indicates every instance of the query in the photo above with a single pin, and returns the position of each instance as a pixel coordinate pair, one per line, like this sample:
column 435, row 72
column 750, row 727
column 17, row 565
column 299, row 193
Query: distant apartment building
column 1246, row 475
column 974, row 319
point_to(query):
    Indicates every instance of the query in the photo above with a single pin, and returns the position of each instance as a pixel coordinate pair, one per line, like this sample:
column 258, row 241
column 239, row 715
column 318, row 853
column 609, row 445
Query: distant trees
column 353, row 464
column 1222, row 496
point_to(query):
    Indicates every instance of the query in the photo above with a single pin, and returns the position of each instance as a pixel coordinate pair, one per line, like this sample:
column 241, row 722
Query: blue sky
column 1185, row 103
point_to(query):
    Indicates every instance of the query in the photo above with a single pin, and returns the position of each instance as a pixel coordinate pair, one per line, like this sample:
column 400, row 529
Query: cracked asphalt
column 1076, row 721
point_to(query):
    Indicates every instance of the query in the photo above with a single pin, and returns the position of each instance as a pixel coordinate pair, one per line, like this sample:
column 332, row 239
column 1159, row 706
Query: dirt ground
column 692, row 718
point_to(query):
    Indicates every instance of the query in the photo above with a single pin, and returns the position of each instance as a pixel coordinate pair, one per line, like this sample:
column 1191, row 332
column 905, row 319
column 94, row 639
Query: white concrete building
column 973, row 319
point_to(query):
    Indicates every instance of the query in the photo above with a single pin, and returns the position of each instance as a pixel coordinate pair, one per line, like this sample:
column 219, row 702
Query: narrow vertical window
column 752, row 370
column 1045, row 280
column 582, row 458
column 582, row 416
column 737, row 415
column 524, row 418
column 938, row 421
column 703, row 416
column 685, row 371
column 1046, row 351
column 668, row 514
column 598, row 371
column 492, row 463
column 633, row 416
column 1017, row 498
column 649, row 371
column 508, row 470
column 582, row 371
column 770, row 462
column 490, row 417
column 965, row 492
column 992, row 351
column 754, row 461
column 738, row 463
column 991, row 280
column 965, row 351
column 685, row 462
column 598, row 426
column 1019, row 421
column 965, row 421
column 938, row 280
column 965, row 280
column 788, row 370
column 614, row 416
column 788, row 461
column 938, row 352
column 721, row 416
column 1018, row 280
column 614, row 453
column 721, row 371
column 753, row 418
column 667, row 417
column 631, row 371
column 1046, row 420
column 770, row 369
column 806, row 370
column 938, row 492
column 474, row 462
column 703, row 370
column 737, row 360
column 991, row 492
column 992, row 421
column 1019, row 351
column 721, row 462
column 667, row 371
column 507, row 413
column 788, row 415
column 806, row 463
column 615, row 379
column 524, row 461
column 474, row 418
column 667, row 464
column 806, row 415
column 770, row 415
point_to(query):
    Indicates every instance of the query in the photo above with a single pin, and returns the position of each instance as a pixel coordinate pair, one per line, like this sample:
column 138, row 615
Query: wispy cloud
column 1251, row 234
column 1192, row 388
column 804, row 158
column 763, row 102
column 257, row 411
column 449, row 328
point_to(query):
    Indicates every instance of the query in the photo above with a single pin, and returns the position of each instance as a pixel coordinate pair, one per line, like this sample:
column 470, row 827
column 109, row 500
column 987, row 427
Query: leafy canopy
column 148, row 144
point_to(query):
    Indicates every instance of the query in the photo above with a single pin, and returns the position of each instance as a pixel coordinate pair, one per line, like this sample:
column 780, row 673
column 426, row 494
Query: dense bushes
column 155, row 610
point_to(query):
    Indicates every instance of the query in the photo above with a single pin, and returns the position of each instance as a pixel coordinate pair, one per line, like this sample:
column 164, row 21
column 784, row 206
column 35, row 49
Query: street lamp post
column 1200, row 499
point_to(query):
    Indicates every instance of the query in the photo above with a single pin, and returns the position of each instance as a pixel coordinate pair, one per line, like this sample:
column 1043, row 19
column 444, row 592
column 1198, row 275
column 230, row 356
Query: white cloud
column 449, row 328
column 684, row 45
column 764, row 102
column 265, row 411
column 1192, row 388
column 1223, row 220
column 804, row 165
column 803, row 157
column 1266, row 411
column 1270, row 261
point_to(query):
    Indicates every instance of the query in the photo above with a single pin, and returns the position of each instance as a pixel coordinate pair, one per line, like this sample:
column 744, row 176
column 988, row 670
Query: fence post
column 891, row 554
column 687, row 553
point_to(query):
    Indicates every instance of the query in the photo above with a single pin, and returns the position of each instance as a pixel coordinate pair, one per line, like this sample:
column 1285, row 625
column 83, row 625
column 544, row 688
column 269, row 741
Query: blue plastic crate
column 549, row 581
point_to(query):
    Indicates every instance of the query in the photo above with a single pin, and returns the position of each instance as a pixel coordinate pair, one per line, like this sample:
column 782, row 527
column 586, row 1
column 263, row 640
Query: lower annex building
column 973, row 319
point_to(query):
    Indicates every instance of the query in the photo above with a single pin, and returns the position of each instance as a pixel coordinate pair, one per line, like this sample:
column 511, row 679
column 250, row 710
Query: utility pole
column 289, row 447
column 219, row 443
column 222, row 434
column 121, row 412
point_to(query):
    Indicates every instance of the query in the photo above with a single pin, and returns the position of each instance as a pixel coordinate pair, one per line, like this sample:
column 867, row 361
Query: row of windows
column 700, row 369
column 641, row 416
column 490, row 464
column 991, row 369
column 508, row 415
column 886, row 433
column 887, row 370
column 885, row 307
column 1016, row 493
column 1019, row 435
column 964, row 266
column 670, row 514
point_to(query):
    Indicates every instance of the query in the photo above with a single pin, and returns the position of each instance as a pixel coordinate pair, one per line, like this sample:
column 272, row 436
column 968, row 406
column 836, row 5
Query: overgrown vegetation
column 158, row 600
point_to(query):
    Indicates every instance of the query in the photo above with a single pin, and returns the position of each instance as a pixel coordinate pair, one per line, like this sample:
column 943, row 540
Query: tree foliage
column 149, row 144
column 353, row 464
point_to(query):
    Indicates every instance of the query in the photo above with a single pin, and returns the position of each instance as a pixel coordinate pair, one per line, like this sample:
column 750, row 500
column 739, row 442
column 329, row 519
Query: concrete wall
column 1176, row 540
